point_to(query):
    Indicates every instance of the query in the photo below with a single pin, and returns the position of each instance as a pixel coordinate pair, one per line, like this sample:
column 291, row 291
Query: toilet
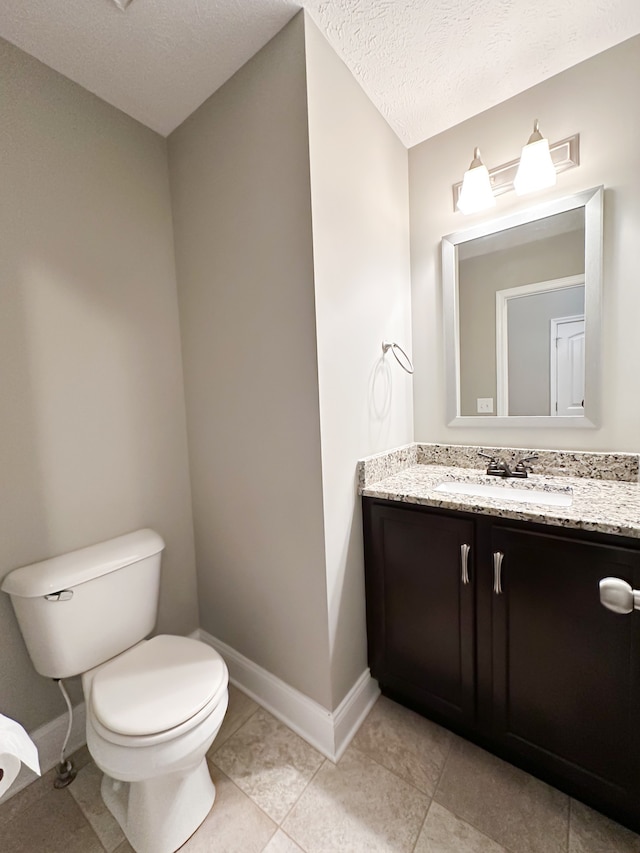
column 154, row 706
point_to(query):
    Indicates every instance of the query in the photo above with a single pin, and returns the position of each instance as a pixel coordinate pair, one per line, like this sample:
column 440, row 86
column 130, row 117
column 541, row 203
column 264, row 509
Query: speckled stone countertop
column 606, row 500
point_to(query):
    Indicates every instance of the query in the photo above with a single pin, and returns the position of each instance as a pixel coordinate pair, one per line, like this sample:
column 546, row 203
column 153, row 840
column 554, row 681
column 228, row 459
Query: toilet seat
column 156, row 691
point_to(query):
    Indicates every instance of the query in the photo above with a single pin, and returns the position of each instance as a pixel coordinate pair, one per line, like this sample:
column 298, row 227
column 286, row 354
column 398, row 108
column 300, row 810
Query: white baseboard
column 48, row 739
column 328, row 731
column 350, row 713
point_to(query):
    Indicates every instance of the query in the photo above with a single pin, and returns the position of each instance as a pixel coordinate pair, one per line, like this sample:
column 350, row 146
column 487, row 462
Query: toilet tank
column 78, row 610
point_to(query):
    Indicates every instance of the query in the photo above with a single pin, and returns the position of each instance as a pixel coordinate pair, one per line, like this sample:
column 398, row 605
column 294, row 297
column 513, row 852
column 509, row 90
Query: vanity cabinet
column 522, row 658
column 421, row 608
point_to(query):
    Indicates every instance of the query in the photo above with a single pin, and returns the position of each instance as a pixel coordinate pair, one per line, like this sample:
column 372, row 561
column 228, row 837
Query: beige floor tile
column 268, row 762
column 52, row 824
column 443, row 832
column 234, row 825
column 125, row 847
column 591, row 832
column 411, row 746
column 240, row 708
column 281, row 843
column 26, row 798
column 85, row 789
column 357, row 806
column 510, row 806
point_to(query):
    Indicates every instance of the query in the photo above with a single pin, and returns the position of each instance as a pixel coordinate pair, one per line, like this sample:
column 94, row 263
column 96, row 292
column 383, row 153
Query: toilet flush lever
column 61, row 595
column 617, row 595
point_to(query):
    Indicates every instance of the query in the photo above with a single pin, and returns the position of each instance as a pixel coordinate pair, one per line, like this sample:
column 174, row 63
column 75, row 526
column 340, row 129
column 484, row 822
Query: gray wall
column 94, row 429
column 242, row 213
column 290, row 201
column 92, row 422
column 597, row 100
column 359, row 199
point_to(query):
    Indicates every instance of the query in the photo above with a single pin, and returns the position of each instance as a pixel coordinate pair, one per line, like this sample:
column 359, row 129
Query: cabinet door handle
column 498, row 557
column 618, row 595
column 464, row 562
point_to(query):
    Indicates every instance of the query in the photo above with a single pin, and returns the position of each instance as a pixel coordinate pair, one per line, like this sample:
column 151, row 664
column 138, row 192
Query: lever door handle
column 464, row 562
column 617, row 595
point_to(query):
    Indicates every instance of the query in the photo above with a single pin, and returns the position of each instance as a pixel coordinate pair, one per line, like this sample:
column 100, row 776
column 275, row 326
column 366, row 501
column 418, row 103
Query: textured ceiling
column 425, row 64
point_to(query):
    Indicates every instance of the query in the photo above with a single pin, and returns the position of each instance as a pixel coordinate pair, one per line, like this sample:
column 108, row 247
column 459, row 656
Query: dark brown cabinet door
column 566, row 672
column 420, row 607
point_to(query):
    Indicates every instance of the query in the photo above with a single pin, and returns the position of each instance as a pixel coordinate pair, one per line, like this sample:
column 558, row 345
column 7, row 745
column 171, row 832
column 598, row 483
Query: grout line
column 406, row 782
column 81, row 809
column 569, row 810
column 393, row 772
column 271, row 837
column 293, row 805
column 211, row 759
column 73, row 791
column 273, row 820
column 477, row 829
column 444, row 763
column 244, row 794
column 452, row 810
column 483, row 832
column 422, row 826
column 234, row 732
column 464, row 819
column 286, row 834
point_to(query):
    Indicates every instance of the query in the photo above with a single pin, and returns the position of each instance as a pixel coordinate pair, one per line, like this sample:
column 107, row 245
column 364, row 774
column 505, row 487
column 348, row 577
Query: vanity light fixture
column 476, row 193
column 564, row 155
column 536, row 170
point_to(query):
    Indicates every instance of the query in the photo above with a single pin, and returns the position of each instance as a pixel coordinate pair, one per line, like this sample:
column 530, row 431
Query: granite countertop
column 597, row 504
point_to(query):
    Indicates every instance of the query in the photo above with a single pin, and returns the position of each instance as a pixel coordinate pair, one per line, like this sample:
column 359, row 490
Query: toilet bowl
column 154, row 706
column 152, row 714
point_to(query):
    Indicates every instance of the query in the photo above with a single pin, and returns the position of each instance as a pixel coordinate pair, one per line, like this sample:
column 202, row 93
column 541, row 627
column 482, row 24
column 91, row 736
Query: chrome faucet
column 497, row 467
column 522, row 469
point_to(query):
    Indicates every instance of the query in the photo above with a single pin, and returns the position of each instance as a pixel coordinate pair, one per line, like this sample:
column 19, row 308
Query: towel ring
column 406, row 365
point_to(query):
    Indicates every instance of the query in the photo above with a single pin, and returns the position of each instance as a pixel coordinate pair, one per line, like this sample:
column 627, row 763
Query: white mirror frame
column 592, row 201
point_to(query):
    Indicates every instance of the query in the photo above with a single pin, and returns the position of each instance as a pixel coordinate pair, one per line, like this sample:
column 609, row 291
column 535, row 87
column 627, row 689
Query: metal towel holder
column 395, row 349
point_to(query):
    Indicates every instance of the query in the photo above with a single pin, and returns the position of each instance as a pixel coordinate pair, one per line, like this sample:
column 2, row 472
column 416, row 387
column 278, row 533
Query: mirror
column 521, row 299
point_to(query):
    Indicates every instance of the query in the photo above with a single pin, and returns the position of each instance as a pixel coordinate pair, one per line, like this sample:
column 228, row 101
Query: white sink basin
column 508, row 493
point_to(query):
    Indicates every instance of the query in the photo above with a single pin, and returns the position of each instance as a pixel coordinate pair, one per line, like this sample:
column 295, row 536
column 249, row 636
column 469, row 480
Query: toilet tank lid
column 85, row 564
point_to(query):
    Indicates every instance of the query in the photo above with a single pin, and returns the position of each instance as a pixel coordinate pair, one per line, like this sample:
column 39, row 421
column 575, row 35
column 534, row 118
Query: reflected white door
column 567, row 366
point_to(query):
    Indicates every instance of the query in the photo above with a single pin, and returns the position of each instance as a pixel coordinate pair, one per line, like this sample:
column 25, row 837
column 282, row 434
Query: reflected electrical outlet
column 485, row 405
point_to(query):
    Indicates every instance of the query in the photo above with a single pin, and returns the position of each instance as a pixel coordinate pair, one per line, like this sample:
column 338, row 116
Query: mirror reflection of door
column 524, row 260
column 533, row 375
column 567, row 365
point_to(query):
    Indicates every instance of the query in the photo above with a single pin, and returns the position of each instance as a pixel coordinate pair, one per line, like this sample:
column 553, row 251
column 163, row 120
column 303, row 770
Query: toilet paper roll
column 9, row 768
column 16, row 748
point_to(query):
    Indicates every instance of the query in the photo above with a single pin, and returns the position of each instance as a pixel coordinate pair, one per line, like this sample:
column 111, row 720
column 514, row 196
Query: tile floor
column 403, row 785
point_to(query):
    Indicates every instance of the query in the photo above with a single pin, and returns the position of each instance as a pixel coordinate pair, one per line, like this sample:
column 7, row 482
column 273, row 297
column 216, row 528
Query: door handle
column 498, row 557
column 464, row 562
column 618, row 595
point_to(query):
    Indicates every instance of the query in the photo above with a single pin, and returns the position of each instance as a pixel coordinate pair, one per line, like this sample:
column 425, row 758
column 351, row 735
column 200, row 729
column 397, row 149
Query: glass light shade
column 476, row 193
column 536, row 170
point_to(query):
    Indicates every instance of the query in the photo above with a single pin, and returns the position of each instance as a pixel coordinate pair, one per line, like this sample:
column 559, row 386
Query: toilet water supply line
column 66, row 772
